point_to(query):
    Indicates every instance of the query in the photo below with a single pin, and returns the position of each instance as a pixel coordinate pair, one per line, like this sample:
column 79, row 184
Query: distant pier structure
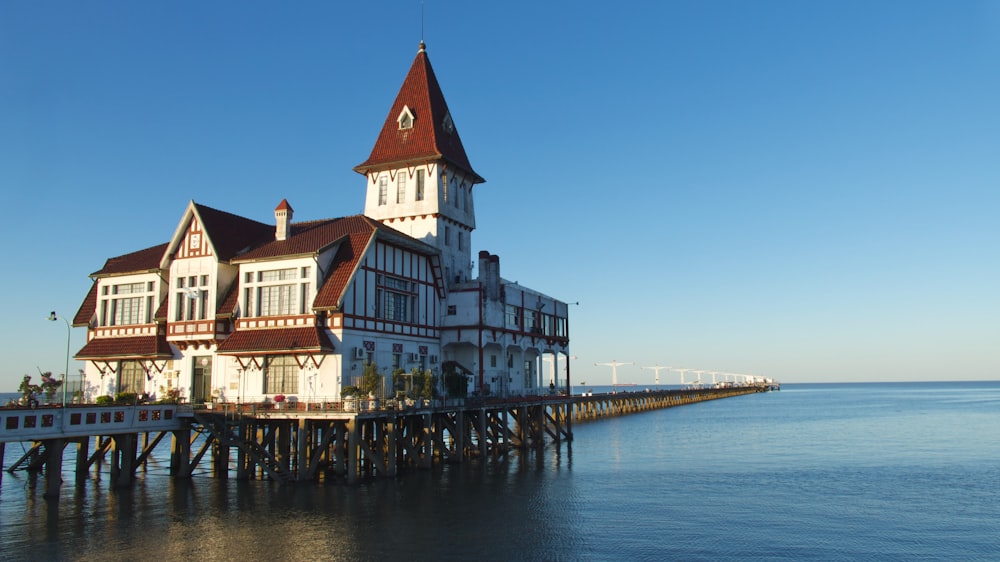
column 324, row 442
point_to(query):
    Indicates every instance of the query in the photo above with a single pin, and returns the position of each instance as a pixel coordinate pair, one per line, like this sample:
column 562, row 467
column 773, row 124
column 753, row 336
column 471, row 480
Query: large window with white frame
column 383, row 189
column 276, row 292
column 281, row 375
column 192, row 298
column 513, row 317
column 131, row 377
column 401, row 187
column 127, row 303
column 396, row 299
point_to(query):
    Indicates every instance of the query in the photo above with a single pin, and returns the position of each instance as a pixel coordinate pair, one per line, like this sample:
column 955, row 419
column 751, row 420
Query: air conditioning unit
column 434, row 358
column 414, row 358
column 359, row 353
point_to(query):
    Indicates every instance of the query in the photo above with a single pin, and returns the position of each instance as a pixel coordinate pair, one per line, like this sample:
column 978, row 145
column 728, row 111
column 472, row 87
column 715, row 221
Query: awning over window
column 276, row 341
column 136, row 347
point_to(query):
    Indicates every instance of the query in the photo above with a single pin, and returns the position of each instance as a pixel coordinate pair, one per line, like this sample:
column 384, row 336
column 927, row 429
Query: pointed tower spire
column 419, row 128
column 419, row 180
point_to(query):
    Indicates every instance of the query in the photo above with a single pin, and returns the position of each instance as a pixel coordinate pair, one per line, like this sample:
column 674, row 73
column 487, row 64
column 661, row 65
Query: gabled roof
column 227, row 304
column 433, row 135
column 231, row 234
column 269, row 341
column 354, row 234
column 227, row 234
column 342, row 270
column 137, row 262
column 306, row 238
column 87, row 308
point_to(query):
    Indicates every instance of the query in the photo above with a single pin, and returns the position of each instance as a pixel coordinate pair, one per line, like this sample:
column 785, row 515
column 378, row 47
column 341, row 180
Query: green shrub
column 125, row 398
column 104, row 400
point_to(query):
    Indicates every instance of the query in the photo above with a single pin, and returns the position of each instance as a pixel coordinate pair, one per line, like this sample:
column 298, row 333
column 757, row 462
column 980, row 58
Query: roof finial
column 423, row 47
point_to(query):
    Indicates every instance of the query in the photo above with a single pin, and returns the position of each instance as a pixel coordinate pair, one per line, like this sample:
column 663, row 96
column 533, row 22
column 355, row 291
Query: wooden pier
column 312, row 443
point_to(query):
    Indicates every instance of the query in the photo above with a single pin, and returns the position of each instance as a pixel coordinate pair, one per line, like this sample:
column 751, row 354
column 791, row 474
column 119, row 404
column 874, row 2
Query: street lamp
column 53, row 317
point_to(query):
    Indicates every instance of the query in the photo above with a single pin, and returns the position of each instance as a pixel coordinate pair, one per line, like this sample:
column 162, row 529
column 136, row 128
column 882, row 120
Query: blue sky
column 803, row 190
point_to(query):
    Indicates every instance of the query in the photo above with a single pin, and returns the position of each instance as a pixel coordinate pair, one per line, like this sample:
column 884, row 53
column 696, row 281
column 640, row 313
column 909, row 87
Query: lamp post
column 53, row 317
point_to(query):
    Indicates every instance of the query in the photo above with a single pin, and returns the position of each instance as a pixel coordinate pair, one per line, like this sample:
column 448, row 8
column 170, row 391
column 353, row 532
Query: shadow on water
column 474, row 509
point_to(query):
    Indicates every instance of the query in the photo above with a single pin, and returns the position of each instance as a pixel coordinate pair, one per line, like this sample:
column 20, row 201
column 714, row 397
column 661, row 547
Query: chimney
column 484, row 258
column 494, row 281
column 282, row 220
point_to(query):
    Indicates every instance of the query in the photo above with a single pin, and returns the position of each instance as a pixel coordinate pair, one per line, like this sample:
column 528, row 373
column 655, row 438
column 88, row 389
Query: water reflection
column 508, row 504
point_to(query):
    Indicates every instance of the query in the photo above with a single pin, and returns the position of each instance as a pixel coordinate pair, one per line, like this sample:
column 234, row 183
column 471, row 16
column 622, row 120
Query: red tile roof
column 427, row 139
column 136, row 262
column 232, row 234
column 227, row 304
column 344, row 265
column 126, row 348
column 87, row 308
column 161, row 312
column 310, row 237
column 276, row 340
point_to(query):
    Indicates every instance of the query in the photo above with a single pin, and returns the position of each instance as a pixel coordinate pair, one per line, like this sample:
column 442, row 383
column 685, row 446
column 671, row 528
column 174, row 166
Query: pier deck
column 313, row 442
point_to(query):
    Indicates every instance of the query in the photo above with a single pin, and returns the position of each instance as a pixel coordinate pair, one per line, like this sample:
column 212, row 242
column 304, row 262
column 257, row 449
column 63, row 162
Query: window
column 405, row 118
column 401, row 188
column 281, row 375
column 513, row 316
column 534, row 324
column 458, row 193
column 444, row 187
column 447, row 235
column 461, row 241
column 395, row 298
column 192, row 298
column 452, row 310
column 493, row 360
column 420, row 185
column 127, row 303
column 277, row 292
column 383, row 189
column 131, row 377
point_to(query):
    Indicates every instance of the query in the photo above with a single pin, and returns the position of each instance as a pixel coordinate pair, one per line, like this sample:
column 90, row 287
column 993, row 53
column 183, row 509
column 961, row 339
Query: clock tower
column 419, row 180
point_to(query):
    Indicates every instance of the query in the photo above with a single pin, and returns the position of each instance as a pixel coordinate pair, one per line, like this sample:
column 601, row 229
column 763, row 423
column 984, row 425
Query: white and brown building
column 240, row 310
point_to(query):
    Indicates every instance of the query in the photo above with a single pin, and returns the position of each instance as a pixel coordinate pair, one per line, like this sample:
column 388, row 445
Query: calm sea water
column 902, row 471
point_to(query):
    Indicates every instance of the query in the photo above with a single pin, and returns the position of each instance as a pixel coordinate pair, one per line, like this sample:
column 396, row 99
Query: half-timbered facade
column 237, row 310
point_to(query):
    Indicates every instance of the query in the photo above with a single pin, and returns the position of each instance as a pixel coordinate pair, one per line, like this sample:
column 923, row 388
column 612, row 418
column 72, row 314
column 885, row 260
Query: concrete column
column 353, row 439
column 459, row 436
column 302, row 449
column 82, row 452
column 180, row 454
column 390, row 445
column 53, row 467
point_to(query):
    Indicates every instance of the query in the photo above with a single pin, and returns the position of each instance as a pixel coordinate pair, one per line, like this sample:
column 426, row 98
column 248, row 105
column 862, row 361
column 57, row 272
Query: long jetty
column 306, row 442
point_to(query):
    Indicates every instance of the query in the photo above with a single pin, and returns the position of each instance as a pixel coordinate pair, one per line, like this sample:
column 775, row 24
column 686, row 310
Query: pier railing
column 36, row 424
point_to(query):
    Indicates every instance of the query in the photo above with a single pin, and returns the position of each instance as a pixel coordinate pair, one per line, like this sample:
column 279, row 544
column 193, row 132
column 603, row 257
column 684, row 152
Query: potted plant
column 28, row 392
column 279, row 400
column 348, row 395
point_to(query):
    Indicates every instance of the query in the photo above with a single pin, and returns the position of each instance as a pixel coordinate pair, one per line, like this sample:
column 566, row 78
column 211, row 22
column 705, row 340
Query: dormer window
column 448, row 124
column 405, row 118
